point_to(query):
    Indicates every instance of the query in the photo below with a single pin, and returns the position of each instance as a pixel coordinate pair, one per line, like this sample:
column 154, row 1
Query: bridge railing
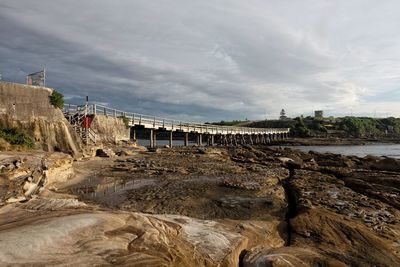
column 155, row 122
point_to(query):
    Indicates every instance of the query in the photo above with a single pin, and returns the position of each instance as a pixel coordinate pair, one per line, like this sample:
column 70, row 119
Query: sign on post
column 36, row 78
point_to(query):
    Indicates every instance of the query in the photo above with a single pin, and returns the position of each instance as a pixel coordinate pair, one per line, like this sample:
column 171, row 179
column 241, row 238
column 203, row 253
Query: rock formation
column 28, row 108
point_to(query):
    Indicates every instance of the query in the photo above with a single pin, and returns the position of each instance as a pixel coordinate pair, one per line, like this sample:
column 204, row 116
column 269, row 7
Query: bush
column 15, row 137
column 360, row 127
column 300, row 130
column 125, row 120
column 57, row 99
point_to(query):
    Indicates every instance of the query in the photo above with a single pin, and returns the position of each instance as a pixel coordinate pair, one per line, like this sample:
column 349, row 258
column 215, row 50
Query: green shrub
column 125, row 120
column 15, row 137
column 57, row 99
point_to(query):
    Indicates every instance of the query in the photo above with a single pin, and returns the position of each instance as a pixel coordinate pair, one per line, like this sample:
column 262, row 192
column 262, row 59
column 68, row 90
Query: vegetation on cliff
column 16, row 137
column 125, row 120
column 57, row 99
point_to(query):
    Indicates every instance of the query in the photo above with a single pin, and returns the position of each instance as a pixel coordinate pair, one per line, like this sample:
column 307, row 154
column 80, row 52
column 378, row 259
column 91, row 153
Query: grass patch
column 17, row 138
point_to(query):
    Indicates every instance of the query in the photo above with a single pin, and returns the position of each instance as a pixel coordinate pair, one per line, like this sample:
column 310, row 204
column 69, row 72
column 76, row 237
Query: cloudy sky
column 210, row 60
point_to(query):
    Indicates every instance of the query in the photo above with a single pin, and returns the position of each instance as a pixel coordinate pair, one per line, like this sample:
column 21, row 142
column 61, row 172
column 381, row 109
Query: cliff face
column 109, row 129
column 28, row 108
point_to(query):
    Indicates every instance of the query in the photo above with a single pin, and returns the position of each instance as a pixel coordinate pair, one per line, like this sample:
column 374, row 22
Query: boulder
column 105, row 153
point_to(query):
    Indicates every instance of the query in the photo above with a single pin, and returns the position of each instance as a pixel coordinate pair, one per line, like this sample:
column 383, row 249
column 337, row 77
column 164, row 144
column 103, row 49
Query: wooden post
column 212, row 140
column 155, row 138
column 200, row 136
column 170, row 139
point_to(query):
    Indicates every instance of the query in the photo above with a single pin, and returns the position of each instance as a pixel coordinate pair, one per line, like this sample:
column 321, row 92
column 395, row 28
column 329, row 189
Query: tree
column 57, row 99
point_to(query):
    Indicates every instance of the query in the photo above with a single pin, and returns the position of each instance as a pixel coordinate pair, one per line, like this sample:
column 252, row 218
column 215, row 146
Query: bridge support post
column 210, row 139
column 151, row 138
column 200, row 139
column 133, row 131
column 235, row 140
column 251, row 139
column 154, row 138
column 170, row 139
column 186, row 139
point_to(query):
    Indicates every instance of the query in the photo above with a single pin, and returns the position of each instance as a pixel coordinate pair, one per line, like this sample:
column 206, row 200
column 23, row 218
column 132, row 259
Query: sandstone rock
column 16, row 199
column 28, row 108
column 109, row 130
column 286, row 256
column 105, row 153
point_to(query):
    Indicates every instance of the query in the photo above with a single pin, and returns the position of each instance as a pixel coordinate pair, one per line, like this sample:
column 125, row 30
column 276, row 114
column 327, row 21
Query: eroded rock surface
column 205, row 207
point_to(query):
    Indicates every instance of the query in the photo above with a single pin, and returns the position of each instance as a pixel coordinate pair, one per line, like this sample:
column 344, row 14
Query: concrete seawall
column 28, row 108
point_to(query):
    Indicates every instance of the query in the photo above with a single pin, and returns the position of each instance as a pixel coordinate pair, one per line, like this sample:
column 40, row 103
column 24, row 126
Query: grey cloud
column 204, row 60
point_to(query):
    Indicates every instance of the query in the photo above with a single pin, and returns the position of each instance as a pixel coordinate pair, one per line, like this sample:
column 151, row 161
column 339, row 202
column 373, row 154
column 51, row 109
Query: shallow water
column 388, row 150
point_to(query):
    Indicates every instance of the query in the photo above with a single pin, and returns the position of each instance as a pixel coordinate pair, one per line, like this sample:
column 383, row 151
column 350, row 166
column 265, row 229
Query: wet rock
column 387, row 164
column 154, row 150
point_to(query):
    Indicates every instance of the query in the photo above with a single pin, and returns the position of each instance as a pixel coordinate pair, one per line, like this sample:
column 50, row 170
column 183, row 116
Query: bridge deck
column 154, row 122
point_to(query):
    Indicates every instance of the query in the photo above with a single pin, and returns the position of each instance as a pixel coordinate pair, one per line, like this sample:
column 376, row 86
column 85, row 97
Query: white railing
column 154, row 122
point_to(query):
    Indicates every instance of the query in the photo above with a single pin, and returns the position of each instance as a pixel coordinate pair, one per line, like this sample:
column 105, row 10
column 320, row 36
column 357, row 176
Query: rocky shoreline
column 245, row 206
column 335, row 141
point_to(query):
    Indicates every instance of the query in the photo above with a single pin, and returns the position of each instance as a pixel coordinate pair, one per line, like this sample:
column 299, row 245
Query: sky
column 210, row 60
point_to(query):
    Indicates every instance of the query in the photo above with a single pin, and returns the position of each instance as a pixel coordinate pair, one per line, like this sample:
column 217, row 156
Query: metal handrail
column 161, row 122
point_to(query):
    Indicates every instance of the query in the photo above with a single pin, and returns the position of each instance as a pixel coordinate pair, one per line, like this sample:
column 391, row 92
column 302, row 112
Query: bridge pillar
column 200, row 139
column 251, row 139
column 134, row 133
column 235, row 142
column 170, row 139
column 186, row 139
column 210, row 139
column 154, row 138
column 151, row 138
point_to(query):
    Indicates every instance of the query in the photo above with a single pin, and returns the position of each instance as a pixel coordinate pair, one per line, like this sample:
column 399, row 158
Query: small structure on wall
column 36, row 78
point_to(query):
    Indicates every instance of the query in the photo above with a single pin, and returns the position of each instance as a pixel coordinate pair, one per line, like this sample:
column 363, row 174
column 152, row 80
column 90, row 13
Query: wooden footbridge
column 205, row 133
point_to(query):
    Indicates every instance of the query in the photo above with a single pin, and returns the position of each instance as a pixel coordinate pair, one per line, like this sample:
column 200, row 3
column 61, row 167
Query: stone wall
column 28, row 108
column 109, row 129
